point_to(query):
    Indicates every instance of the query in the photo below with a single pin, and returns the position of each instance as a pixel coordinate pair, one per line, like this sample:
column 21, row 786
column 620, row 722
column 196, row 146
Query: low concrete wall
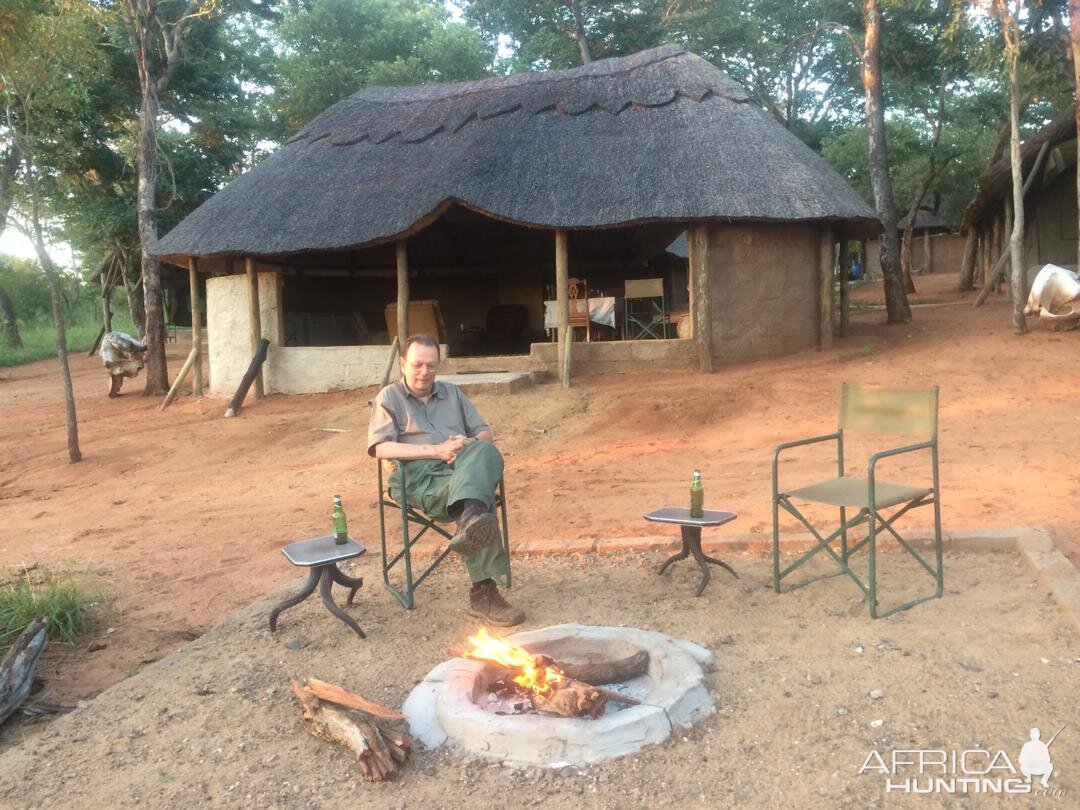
column 288, row 369
column 616, row 356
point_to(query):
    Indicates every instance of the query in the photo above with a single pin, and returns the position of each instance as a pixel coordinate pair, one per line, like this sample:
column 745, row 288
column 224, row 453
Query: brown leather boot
column 485, row 602
column 477, row 528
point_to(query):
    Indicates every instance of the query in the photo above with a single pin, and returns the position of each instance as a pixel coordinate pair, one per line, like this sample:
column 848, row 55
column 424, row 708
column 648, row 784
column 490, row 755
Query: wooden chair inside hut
column 645, row 313
column 414, row 525
column 902, row 412
column 578, row 290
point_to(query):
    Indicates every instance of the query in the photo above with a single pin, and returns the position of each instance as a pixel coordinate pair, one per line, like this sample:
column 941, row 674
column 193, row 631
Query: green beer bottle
column 341, row 533
column 697, row 496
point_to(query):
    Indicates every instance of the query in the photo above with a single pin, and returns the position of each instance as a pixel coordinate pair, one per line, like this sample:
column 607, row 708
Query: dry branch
column 343, row 697
column 376, row 752
column 573, row 699
column 601, row 672
column 17, row 668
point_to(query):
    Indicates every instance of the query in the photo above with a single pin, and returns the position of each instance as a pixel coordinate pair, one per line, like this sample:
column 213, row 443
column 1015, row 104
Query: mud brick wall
column 763, row 290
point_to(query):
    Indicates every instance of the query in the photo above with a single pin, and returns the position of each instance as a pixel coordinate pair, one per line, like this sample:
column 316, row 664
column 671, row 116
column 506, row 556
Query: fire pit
column 466, row 703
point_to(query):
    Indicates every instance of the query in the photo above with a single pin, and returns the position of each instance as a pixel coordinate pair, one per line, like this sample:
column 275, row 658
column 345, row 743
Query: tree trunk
column 896, row 303
column 1018, row 284
column 905, row 258
column 61, row 352
column 967, row 264
column 157, row 373
column 135, row 300
column 579, row 33
column 11, row 323
column 1074, row 39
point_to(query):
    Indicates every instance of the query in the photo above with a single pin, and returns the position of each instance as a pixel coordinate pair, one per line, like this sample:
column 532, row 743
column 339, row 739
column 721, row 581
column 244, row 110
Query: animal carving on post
column 1055, row 298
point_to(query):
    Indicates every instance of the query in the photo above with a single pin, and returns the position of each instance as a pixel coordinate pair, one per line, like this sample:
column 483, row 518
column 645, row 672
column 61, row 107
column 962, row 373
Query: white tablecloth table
column 601, row 310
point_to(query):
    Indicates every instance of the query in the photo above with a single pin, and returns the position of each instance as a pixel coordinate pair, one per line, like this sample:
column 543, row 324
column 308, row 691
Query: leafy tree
column 793, row 54
column 46, row 48
column 332, row 48
column 556, row 34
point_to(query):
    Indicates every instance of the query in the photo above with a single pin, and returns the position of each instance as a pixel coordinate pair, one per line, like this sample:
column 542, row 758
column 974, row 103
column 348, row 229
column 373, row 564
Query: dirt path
column 179, row 515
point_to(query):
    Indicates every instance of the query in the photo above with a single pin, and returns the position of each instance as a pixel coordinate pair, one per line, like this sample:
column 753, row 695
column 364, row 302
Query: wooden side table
column 322, row 555
column 691, row 537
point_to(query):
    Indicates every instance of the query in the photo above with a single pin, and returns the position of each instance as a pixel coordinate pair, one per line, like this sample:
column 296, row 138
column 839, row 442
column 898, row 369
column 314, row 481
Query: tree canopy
column 255, row 71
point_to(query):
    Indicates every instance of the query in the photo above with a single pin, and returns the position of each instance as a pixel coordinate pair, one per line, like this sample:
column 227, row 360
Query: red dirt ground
column 178, row 516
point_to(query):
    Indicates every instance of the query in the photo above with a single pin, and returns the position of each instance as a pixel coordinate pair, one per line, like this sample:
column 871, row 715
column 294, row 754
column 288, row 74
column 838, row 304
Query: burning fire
column 534, row 676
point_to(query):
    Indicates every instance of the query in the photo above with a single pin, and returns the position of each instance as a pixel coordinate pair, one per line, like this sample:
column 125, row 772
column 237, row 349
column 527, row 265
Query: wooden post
column 395, row 353
column 984, row 255
column 862, row 258
column 106, row 297
column 192, row 358
column 845, row 299
column 254, row 319
column 562, row 298
column 825, row 288
column 196, row 324
column 700, row 308
column 926, row 252
column 403, row 292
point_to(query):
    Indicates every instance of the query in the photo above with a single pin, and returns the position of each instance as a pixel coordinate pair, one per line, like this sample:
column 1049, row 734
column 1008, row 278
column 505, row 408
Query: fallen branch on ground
column 17, row 668
column 377, row 751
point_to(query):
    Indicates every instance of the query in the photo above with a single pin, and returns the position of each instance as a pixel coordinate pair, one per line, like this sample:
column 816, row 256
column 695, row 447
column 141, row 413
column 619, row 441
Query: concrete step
column 490, row 382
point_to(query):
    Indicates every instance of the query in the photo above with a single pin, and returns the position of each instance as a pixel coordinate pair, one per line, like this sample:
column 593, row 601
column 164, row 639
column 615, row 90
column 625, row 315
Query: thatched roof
column 925, row 221
column 996, row 181
column 660, row 135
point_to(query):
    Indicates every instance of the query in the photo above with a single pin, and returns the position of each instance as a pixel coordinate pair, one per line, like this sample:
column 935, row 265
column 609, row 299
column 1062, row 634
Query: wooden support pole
column 700, row 308
column 192, row 358
column 245, row 382
column 403, row 291
column 254, row 319
column 845, row 298
column 196, row 324
column 562, row 298
column 825, row 287
column 395, row 352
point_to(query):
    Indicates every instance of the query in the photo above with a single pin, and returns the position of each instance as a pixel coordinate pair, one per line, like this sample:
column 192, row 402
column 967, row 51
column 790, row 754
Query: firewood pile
column 332, row 713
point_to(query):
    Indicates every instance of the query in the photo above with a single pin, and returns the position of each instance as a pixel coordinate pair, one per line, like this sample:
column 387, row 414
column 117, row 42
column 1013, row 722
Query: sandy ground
column 177, row 517
column 216, row 725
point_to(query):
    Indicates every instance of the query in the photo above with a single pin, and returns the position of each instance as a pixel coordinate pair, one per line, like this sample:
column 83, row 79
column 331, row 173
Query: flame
column 538, row 679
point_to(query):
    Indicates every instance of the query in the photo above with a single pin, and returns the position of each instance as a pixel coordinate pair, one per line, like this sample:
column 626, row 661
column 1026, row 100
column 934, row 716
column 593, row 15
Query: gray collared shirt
column 398, row 416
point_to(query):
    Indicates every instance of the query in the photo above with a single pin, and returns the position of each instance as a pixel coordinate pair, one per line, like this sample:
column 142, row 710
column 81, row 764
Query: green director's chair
column 877, row 410
column 411, row 516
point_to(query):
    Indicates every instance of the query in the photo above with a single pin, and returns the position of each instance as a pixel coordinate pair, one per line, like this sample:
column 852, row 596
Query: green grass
column 24, row 600
column 39, row 337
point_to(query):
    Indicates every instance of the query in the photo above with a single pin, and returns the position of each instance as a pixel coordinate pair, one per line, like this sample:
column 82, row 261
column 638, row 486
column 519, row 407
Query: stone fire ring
column 441, row 709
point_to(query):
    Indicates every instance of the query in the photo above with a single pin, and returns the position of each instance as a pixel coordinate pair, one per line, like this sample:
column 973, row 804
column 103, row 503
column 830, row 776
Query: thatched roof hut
column 619, row 156
column 925, row 222
column 1048, row 161
column 555, row 150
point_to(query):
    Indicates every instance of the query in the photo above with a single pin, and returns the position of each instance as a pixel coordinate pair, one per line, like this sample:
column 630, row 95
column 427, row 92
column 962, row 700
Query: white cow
column 1055, row 297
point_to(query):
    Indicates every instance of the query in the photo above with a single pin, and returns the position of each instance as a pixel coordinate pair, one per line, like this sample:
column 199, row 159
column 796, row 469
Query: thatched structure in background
column 926, row 222
column 620, row 156
column 1049, row 168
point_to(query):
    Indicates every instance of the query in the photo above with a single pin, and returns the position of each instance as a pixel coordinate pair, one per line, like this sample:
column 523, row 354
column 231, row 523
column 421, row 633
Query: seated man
column 123, row 356
column 454, row 468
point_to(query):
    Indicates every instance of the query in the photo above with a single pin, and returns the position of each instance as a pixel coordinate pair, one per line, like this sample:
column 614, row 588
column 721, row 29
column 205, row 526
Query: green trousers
column 438, row 490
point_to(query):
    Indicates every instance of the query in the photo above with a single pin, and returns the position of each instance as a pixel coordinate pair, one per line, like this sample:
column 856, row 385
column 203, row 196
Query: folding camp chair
column 412, row 515
column 644, row 309
column 905, row 412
